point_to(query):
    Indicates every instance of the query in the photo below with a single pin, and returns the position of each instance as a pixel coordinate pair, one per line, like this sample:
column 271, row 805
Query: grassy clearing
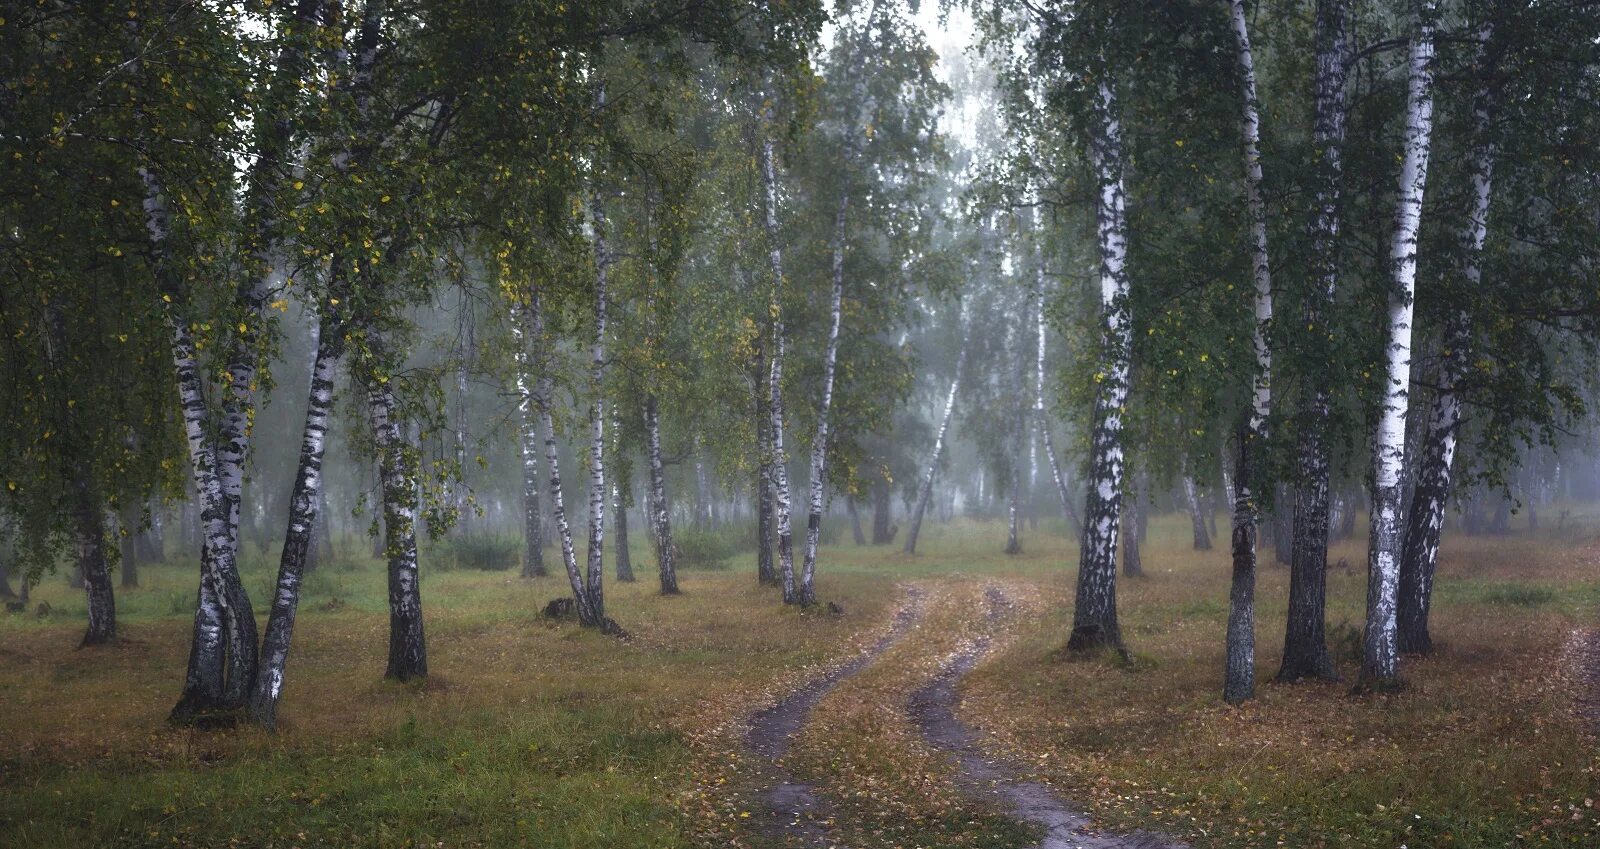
column 533, row 733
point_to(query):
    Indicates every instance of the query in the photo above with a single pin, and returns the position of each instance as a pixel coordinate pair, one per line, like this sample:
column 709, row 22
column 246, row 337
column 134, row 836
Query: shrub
column 480, row 552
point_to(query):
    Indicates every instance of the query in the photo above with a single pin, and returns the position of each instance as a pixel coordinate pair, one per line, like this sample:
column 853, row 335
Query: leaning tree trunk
column 1239, row 677
column 1305, row 645
column 408, row 657
column 528, row 439
column 660, row 519
column 1433, row 477
column 1197, row 519
column 780, row 455
column 544, row 394
column 1041, row 420
column 856, row 533
column 304, row 506
column 925, row 492
column 1094, row 618
column 819, row 445
column 1380, row 664
column 224, row 624
column 594, row 574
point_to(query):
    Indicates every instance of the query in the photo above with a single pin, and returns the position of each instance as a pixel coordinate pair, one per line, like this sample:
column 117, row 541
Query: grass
column 539, row 734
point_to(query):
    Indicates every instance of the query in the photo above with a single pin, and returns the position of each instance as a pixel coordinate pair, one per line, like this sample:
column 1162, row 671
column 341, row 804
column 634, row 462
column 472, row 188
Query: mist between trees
column 495, row 286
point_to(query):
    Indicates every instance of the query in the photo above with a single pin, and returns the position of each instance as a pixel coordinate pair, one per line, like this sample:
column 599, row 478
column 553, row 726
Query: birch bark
column 1239, row 677
column 925, row 491
column 1305, row 646
column 1094, row 618
column 1434, row 474
column 1380, row 660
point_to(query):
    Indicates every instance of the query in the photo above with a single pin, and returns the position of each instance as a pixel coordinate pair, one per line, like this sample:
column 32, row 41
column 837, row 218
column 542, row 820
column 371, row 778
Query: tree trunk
column 398, row 476
column 132, row 553
column 1094, row 618
column 1433, row 477
column 766, row 573
column 1239, row 676
column 1132, row 561
column 595, row 571
column 1380, row 666
column 819, row 445
column 619, row 500
column 1305, row 648
column 1197, row 519
column 91, row 543
column 1041, row 418
column 883, row 529
column 856, row 533
column 925, row 494
column 305, row 504
column 661, row 519
column 543, row 396
column 222, row 653
column 528, row 439
column 780, row 455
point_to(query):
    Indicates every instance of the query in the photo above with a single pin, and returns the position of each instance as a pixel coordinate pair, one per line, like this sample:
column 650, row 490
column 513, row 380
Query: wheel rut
column 933, row 710
column 792, row 807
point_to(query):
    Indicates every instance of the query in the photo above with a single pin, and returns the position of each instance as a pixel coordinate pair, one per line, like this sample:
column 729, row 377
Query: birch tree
column 925, row 491
column 1380, row 657
column 1094, row 618
column 1239, row 677
column 1305, row 648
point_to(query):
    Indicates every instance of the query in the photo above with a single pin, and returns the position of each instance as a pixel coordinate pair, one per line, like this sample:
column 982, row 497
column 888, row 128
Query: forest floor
column 937, row 711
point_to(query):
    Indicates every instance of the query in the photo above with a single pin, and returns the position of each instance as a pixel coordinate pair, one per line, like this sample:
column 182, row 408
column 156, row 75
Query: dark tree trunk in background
column 883, row 532
column 131, row 555
column 661, row 518
column 766, row 572
column 1132, row 560
column 5, row 582
column 856, row 534
column 1283, row 525
column 620, row 489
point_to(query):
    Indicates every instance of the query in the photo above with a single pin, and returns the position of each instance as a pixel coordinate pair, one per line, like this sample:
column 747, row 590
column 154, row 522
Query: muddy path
column 1583, row 662
column 793, row 810
column 933, row 710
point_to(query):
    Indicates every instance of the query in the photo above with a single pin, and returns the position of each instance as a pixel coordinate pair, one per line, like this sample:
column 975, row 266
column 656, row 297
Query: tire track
column 933, row 709
column 793, row 809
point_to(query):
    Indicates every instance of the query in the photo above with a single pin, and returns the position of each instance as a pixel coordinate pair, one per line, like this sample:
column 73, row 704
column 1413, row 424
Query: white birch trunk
column 925, row 492
column 397, row 474
column 819, row 446
column 1433, row 480
column 305, row 503
column 1239, row 677
column 595, row 572
column 1095, row 610
column 543, row 398
column 660, row 518
column 780, row 454
column 1380, row 661
column 528, row 440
